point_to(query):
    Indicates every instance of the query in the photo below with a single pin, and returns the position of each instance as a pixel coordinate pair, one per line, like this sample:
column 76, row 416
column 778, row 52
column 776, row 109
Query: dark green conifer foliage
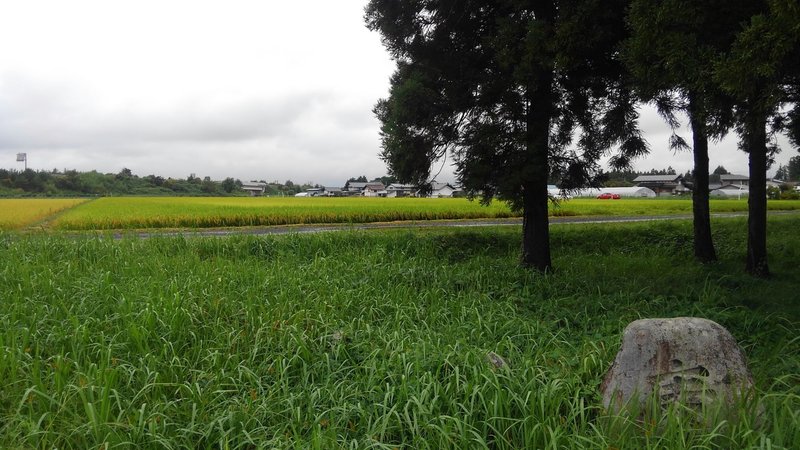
column 761, row 72
column 671, row 53
column 515, row 91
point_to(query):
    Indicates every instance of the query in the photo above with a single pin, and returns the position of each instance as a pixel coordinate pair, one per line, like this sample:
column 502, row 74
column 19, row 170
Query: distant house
column 374, row 190
column 401, row 190
column 330, row 191
column 730, row 185
column 364, row 188
column 315, row 192
column 662, row 184
column 634, row 191
column 442, row 190
column 354, row 188
column 445, row 190
column 742, row 181
column 254, row 188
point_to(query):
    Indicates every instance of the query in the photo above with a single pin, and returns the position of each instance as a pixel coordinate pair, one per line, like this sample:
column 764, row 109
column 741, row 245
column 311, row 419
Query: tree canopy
column 761, row 71
column 672, row 53
column 793, row 169
column 515, row 91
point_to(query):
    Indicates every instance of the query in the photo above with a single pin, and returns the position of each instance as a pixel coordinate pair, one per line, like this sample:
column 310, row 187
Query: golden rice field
column 218, row 212
column 212, row 212
column 18, row 213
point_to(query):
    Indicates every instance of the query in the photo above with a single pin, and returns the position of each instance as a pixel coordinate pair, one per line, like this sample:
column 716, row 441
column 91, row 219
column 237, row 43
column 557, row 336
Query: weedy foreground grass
column 374, row 339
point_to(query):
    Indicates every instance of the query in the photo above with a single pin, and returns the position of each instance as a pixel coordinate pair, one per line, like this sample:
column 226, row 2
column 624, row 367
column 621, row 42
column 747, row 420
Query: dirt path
column 322, row 228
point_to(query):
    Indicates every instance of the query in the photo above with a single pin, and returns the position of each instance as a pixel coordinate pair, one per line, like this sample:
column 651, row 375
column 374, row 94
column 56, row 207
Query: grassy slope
column 372, row 339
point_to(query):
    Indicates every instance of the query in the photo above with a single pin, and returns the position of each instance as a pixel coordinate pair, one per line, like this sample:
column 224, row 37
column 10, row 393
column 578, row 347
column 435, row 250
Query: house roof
column 733, row 177
column 438, row 186
column 632, row 191
column 400, row 187
column 374, row 186
column 657, row 178
column 254, row 186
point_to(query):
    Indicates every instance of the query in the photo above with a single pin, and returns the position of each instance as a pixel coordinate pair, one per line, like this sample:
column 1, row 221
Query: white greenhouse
column 634, row 191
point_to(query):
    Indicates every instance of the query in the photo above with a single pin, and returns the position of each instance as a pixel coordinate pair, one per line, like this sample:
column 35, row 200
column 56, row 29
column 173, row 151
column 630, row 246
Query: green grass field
column 210, row 212
column 375, row 339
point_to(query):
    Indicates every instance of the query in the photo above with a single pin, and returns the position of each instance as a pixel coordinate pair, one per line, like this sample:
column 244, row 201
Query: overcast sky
column 248, row 89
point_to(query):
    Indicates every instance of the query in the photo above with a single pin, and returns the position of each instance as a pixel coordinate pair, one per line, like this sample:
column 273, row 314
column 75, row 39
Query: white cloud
column 251, row 89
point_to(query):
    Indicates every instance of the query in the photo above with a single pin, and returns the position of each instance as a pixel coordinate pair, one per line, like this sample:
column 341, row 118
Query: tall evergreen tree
column 793, row 169
column 502, row 87
column 761, row 71
column 672, row 51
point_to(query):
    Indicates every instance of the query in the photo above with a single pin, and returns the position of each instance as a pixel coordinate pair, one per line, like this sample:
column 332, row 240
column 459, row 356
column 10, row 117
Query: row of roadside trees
column 519, row 91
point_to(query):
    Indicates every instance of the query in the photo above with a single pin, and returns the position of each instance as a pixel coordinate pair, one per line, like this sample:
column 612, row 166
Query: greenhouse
column 635, row 191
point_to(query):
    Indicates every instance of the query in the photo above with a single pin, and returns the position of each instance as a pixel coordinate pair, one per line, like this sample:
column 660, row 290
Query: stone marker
column 496, row 360
column 687, row 359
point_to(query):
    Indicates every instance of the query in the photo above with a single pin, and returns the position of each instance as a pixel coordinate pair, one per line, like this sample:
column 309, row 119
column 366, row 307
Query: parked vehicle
column 607, row 196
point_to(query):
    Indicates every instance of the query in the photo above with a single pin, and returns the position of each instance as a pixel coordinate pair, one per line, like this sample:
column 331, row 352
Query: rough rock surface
column 684, row 359
column 496, row 360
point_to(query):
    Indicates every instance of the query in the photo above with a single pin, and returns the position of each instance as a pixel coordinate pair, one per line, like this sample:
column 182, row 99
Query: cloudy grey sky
column 249, row 89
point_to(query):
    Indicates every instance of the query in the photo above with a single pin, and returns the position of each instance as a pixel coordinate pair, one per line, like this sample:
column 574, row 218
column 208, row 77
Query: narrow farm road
column 322, row 228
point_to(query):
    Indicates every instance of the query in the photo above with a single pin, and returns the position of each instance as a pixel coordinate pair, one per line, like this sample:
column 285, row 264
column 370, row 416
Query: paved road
column 303, row 229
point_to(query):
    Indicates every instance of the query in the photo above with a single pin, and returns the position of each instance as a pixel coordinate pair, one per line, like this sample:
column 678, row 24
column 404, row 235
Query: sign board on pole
column 22, row 156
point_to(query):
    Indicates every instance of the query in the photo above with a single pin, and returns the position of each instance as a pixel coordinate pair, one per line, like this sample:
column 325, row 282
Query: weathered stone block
column 687, row 359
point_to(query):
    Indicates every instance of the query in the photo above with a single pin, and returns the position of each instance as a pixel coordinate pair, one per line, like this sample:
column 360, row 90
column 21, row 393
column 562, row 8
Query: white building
column 401, row 190
column 444, row 190
column 254, row 188
column 729, row 192
column 374, row 190
column 740, row 181
column 635, row 191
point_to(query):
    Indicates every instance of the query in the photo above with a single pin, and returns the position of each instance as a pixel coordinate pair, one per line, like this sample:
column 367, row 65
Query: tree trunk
column 540, row 100
column 756, row 140
column 535, row 223
column 703, row 242
column 535, row 228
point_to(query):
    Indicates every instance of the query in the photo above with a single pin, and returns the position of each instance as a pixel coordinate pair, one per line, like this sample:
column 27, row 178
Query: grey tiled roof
column 656, row 178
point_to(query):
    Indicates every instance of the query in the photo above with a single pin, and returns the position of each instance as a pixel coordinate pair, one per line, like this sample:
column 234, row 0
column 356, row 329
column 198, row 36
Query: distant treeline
column 624, row 178
column 67, row 183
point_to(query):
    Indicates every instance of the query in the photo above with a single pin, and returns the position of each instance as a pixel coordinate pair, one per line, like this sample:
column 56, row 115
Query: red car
column 607, row 196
